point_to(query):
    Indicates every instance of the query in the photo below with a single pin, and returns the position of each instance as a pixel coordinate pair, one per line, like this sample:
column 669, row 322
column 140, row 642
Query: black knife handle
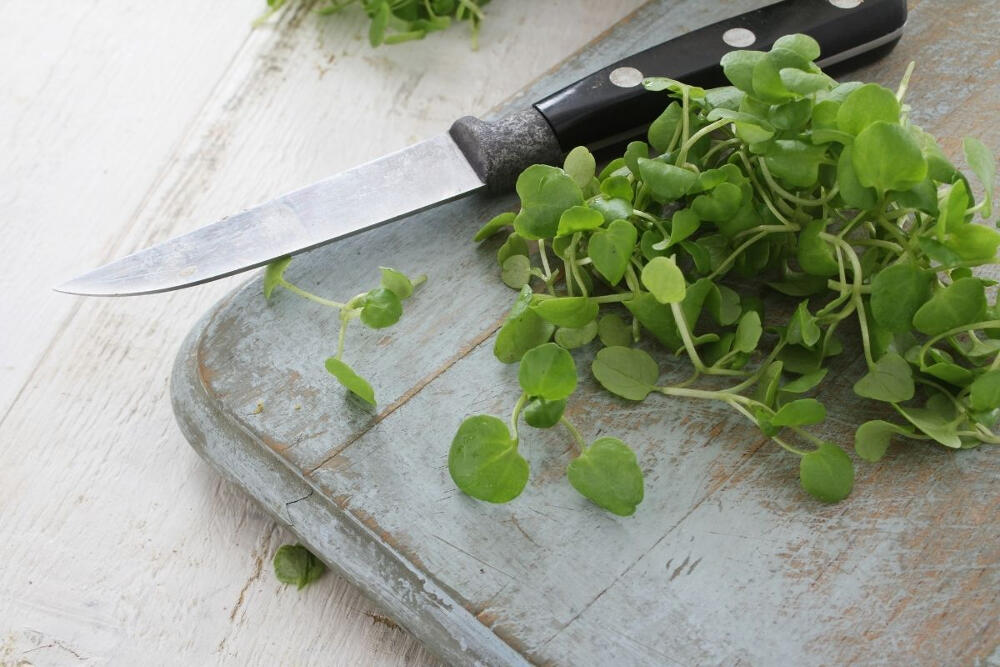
column 611, row 104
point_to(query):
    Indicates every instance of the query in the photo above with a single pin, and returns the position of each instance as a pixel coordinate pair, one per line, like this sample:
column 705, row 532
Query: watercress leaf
column 804, row 45
column 931, row 421
column 795, row 162
column 484, row 462
column 274, row 274
column 865, row 105
column 974, row 243
column 656, row 318
column 614, row 331
column 579, row 219
column 984, row 166
column 952, row 209
column 635, row 151
column 852, row 192
column 540, row 413
column 625, row 372
column 950, row 373
column 617, row 187
column 720, row 204
column 767, row 85
column 664, row 280
column 381, row 308
column 568, row 311
column 581, row 166
column 803, row 83
column 380, row 20
column 802, row 327
column 871, row 440
column 805, row 383
column 898, row 291
column 890, row 380
column 663, row 129
column 827, row 473
column 723, row 304
column 801, row 412
column 665, row 181
column 738, row 66
column 608, row 474
column 724, row 97
column 984, row 393
column 294, row 564
column 767, row 386
column 351, row 381
column 962, row 302
column 521, row 303
column 611, row 250
column 887, row 157
column 514, row 245
column 548, row 372
column 516, row 271
column 519, row 334
column 572, row 338
column 611, row 209
column 545, row 193
column 659, row 83
column 396, row 282
column 498, row 222
column 683, row 224
column 748, row 332
column 815, row 255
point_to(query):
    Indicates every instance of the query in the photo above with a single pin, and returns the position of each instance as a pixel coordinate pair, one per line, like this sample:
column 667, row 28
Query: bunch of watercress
column 396, row 21
column 822, row 196
column 378, row 308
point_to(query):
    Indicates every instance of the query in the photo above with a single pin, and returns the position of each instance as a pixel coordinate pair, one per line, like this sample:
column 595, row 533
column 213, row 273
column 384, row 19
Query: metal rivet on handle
column 846, row 4
column 626, row 77
column 739, row 37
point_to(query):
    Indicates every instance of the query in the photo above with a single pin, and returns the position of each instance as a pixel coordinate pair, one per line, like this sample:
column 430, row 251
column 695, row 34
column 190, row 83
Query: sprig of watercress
column 820, row 200
column 377, row 308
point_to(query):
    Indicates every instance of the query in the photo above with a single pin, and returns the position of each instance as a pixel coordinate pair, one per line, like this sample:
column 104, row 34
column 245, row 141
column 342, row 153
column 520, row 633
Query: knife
column 602, row 109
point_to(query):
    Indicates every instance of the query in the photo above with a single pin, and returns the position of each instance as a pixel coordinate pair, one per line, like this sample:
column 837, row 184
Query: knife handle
column 611, row 105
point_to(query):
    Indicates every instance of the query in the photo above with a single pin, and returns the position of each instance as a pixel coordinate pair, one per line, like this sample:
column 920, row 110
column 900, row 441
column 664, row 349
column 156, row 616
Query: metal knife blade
column 610, row 103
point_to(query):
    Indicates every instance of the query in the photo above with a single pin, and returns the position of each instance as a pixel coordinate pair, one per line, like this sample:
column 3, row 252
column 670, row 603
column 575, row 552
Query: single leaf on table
column 540, row 413
column 296, row 565
column 381, row 308
column 611, row 249
column 548, row 372
column 581, row 166
column 960, row 303
column 664, row 280
column 567, row 311
column 274, row 274
column 802, row 412
column 484, row 462
column 608, row 474
column 614, row 331
column 871, row 440
column 351, row 381
column 498, row 222
column 626, row 372
column 890, row 380
column 827, row 473
column 898, row 291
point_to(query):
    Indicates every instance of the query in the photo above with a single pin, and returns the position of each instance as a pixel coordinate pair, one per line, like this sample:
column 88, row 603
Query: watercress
column 294, row 564
column 821, row 201
column 378, row 308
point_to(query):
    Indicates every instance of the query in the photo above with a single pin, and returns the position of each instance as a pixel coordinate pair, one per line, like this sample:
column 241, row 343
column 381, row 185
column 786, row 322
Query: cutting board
column 725, row 561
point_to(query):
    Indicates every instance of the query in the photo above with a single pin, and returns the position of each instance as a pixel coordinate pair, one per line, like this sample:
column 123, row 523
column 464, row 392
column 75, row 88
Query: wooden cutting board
column 725, row 561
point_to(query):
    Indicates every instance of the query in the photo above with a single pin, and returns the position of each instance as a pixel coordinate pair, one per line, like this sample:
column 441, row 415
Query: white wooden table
column 124, row 122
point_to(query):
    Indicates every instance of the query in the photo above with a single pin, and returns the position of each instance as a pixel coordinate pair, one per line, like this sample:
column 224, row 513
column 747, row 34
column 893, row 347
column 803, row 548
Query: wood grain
column 125, row 123
column 726, row 560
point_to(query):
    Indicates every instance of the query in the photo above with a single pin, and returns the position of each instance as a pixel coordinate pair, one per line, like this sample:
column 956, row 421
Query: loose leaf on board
column 608, row 474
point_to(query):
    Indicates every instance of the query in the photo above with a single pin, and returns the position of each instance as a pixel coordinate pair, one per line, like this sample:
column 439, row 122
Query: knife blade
column 602, row 109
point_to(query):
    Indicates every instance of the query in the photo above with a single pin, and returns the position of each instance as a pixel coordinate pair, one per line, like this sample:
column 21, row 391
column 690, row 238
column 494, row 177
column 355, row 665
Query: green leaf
column 985, row 391
column 581, row 166
column 723, row 304
column 569, row 311
column 827, row 473
column 891, row 380
column 516, row 271
column 608, row 474
column 748, row 332
column 767, row 85
column 738, row 66
column 656, row 318
column 795, row 162
column 545, row 193
column 664, row 280
column 962, row 302
column 898, row 291
column 396, row 282
column 866, row 105
column 871, row 440
column 803, row 83
column 663, row 129
column 540, row 413
column 380, row 20
column 294, row 564
column 802, row 328
column 665, row 181
column 852, row 192
column 683, row 224
column 571, row 338
column 351, row 381
column 936, row 419
column 611, row 250
column 484, row 462
column 274, row 274
column 613, row 331
column 805, row 383
column 548, row 372
column 519, row 334
column 626, row 372
column 720, row 204
column 952, row 210
column 815, row 255
column 767, row 386
column 611, row 209
column 802, row 412
column 984, row 166
column 887, row 157
column 804, row 45
column 618, row 187
column 579, row 219
column 381, row 308
column 974, row 243
column 514, row 245
column 635, row 151
column 505, row 219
